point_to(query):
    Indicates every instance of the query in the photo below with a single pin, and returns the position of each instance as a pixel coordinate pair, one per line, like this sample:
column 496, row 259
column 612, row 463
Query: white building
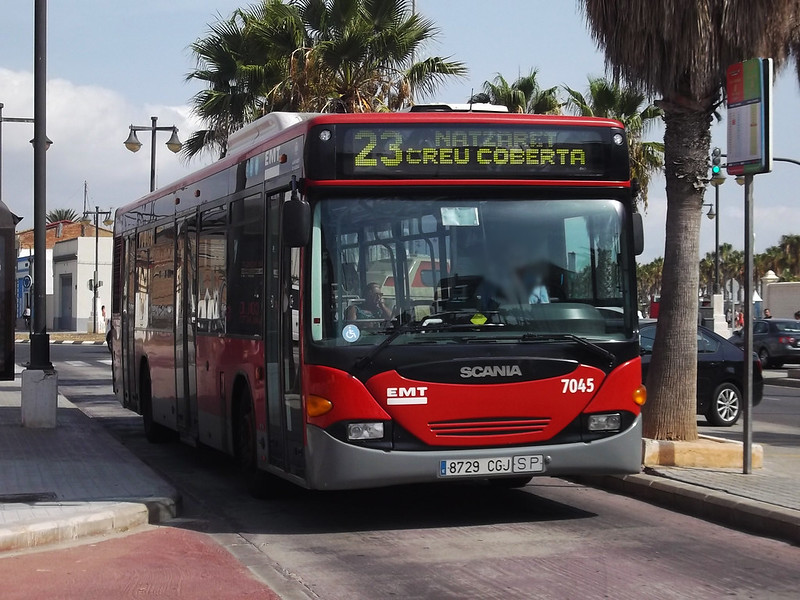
column 70, row 271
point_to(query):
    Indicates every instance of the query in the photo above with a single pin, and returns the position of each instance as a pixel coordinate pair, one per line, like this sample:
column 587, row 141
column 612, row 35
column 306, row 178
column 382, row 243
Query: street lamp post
column 717, row 180
column 47, row 142
column 7, row 120
column 133, row 144
column 712, row 214
column 95, row 280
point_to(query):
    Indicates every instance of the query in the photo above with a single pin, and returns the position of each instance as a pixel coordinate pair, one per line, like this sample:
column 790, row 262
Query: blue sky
column 112, row 64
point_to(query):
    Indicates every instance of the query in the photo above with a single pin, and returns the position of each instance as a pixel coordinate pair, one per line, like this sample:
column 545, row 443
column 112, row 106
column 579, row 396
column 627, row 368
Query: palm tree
column 61, row 214
column 626, row 104
column 365, row 50
column 311, row 55
column 237, row 73
column 522, row 96
column 679, row 50
column 707, row 273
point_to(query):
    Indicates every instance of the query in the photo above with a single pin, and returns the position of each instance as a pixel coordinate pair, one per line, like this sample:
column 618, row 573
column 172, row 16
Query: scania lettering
column 491, row 371
column 359, row 300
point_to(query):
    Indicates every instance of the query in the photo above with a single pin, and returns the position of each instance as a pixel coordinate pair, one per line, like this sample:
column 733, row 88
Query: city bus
column 359, row 300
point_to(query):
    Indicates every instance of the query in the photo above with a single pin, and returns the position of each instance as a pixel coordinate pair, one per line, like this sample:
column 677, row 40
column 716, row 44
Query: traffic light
column 716, row 162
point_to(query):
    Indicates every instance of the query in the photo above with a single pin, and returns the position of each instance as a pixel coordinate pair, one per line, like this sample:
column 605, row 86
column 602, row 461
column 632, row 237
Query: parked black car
column 776, row 341
column 720, row 373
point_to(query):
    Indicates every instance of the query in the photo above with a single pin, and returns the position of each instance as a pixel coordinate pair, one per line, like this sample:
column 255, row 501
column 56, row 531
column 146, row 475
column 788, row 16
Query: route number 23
column 573, row 386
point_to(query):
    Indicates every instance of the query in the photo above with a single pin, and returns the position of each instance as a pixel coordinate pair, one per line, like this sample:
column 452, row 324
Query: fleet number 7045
column 573, row 386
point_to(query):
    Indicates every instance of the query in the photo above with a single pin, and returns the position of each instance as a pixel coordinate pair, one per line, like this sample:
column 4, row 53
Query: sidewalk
column 72, row 481
column 765, row 502
column 77, row 480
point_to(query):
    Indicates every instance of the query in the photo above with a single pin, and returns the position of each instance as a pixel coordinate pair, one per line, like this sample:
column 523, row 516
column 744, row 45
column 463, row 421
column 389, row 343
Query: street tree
column 679, row 50
column 611, row 100
column 312, row 55
column 61, row 214
column 524, row 95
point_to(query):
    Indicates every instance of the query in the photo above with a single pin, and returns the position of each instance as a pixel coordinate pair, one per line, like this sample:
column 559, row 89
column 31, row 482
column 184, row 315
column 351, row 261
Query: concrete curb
column 115, row 518
column 721, row 507
column 87, row 520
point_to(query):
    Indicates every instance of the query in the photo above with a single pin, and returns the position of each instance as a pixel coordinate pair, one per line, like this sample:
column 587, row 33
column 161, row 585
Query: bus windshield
column 473, row 269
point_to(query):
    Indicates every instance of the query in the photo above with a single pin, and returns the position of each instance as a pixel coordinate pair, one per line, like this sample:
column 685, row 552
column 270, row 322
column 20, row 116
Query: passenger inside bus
column 372, row 308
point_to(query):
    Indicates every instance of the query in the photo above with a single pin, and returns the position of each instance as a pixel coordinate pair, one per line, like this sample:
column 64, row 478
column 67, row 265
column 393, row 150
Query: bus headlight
column 365, row 431
column 607, row 422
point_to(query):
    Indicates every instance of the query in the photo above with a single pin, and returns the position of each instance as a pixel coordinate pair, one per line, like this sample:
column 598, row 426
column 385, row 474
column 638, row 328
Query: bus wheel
column 510, row 482
column 154, row 432
column 246, row 450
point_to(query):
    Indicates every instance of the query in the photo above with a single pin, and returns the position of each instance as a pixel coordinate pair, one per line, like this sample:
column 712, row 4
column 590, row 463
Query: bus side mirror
column 296, row 224
column 638, row 234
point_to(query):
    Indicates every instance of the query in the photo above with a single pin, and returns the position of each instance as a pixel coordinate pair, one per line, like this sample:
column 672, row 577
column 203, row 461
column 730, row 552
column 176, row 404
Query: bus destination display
column 469, row 151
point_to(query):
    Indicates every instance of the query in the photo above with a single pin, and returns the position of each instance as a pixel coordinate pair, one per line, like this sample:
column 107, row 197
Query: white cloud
column 87, row 125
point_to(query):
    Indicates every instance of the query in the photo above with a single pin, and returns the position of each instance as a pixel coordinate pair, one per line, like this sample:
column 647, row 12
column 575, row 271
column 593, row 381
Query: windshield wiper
column 427, row 324
column 560, row 337
column 434, row 322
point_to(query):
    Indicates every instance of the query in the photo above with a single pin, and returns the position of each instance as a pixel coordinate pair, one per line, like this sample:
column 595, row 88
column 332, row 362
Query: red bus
column 361, row 300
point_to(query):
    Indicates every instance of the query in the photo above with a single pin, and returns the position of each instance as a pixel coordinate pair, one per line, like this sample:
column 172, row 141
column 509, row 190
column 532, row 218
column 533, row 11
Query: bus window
column 212, row 284
column 162, row 278
column 246, row 259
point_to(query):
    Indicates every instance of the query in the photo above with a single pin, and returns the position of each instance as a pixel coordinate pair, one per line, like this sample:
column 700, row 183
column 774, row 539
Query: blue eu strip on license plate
column 533, row 463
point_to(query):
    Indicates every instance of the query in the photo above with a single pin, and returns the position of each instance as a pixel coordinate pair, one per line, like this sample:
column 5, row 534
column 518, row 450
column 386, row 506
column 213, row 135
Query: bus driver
column 373, row 306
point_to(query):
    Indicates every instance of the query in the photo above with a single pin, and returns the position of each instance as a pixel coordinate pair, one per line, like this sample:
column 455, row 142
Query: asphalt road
column 552, row 539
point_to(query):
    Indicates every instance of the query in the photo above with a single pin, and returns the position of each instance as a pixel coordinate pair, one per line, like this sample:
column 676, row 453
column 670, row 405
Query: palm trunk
column 670, row 412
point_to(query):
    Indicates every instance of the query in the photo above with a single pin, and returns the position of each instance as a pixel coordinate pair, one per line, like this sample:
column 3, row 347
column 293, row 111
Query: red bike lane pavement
column 161, row 562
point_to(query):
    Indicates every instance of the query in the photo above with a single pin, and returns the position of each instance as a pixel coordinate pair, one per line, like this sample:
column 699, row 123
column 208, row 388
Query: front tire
column 763, row 356
column 246, row 446
column 726, row 406
column 155, row 433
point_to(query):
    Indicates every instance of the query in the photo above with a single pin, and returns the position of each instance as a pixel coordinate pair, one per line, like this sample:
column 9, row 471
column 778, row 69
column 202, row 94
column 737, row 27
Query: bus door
column 185, row 328
column 128, row 321
column 284, row 409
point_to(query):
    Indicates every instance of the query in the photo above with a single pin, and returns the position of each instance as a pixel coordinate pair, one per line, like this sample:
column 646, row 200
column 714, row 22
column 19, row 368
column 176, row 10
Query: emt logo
column 399, row 396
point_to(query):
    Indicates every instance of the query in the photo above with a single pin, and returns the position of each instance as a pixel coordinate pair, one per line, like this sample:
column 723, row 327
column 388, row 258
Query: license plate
column 474, row 467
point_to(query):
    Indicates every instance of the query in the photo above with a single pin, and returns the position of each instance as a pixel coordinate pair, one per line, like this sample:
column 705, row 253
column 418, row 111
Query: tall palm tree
column 648, row 278
column 679, row 50
column 366, row 51
column 61, row 214
column 522, row 96
column 707, row 273
column 626, row 104
column 311, row 55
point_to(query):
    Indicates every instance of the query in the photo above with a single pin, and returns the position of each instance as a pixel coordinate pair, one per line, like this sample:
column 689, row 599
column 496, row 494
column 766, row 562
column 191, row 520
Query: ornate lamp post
column 133, row 144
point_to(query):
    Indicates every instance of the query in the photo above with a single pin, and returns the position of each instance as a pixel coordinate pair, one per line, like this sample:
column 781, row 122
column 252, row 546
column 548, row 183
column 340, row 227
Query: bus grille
column 485, row 427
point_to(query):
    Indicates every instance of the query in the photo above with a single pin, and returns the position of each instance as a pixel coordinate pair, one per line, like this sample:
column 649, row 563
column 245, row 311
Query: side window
column 760, row 327
column 705, row 344
column 162, row 278
column 142, row 292
column 246, row 262
column 211, row 280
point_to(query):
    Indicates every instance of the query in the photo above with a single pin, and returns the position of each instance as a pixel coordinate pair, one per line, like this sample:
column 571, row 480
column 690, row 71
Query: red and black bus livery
column 501, row 246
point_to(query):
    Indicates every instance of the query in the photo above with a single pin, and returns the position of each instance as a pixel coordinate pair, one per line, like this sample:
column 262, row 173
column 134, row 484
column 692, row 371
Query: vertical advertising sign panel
column 749, row 91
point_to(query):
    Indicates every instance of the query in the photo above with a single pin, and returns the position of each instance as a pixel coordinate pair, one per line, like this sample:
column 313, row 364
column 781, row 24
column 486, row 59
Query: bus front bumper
column 334, row 465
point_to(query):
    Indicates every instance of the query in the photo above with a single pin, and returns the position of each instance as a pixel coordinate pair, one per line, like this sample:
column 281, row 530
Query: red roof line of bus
column 465, row 182
column 465, row 117
column 397, row 118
